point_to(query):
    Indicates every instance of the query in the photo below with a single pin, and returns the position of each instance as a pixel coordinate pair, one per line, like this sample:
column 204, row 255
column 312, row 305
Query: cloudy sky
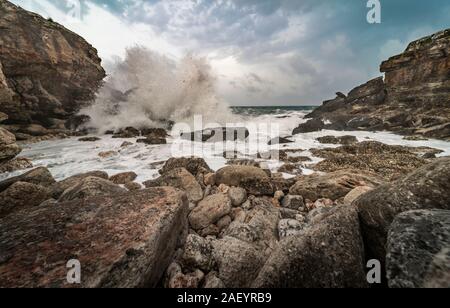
column 263, row 52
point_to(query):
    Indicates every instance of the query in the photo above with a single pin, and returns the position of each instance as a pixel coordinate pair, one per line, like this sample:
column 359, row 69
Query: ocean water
column 68, row 157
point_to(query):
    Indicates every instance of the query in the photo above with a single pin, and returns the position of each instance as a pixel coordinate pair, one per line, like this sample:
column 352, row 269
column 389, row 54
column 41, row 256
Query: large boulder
column 123, row 241
column 20, row 195
column 328, row 254
column 194, row 165
column 418, row 250
column 209, row 211
column 59, row 188
column 234, row 175
column 334, row 185
column 39, row 176
column 314, row 125
column 426, row 188
column 182, row 179
column 90, row 187
column 51, row 74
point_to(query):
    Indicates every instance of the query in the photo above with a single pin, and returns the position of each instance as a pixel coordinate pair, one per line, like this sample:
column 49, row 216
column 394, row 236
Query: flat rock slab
column 124, row 241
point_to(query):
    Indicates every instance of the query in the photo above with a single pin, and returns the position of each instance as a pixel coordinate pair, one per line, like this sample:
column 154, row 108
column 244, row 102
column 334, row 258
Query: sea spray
column 147, row 89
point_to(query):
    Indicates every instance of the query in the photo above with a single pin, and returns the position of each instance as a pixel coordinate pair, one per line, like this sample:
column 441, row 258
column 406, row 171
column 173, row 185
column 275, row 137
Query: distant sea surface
column 268, row 110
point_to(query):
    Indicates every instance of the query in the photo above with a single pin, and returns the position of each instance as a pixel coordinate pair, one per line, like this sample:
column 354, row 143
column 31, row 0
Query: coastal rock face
column 426, row 188
column 122, row 241
column 8, row 146
column 419, row 250
column 413, row 99
column 46, row 71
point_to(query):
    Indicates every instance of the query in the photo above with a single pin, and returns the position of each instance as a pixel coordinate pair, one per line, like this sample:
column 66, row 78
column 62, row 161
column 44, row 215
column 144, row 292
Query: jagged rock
column 213, row 282
column 8, row 147
column 334, row 185
column 123, row 178
column 34, row 130
column 51, row 75
column 258, row 187
column 290, row 169
column 39, row 176
column 126, row 133
column 3, row 116
column 328, row 254
column 60, row 187
column 91, row 187
column 220, row 134
column 152, row 141
column 413, row 98
column 238, row 262
column 131, row 241
column 290, row 227
column 197, row 253
column 426, row 188
column 182, row 179
column 388, row 161
column 20, row 195
column 418, row 250
column 186, row 281
column 293, row 202
column 309, row 127
column 194, row 165
column 209, row 211
column 16, row 164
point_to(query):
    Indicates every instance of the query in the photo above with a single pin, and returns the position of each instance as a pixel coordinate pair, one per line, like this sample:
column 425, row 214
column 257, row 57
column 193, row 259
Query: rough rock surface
column 60, row 187
column 234, row 175
column 333, row 185
column 418, row 250
column 90, row 187
column 8, row 146
column 20, row 195
column 194, row 165
column 50, row 72
column 123, row 178
column 121, row 241
column 414, row 98
column 38, row 176
column 209, row 211
column 182, row 179
column 328, row 254
column 426, row 188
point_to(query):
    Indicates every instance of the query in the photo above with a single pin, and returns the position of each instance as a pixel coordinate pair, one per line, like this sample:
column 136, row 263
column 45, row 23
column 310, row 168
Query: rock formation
column 46, row 71
column 413, row 98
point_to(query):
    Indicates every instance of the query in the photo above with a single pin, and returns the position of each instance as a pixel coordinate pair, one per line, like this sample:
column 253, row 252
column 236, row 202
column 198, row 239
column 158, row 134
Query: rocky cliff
column 412, row 99
column 46, row 71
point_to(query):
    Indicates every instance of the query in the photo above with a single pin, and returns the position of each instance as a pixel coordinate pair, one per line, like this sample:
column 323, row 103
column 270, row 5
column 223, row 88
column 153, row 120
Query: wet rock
column 293, row 202
column 152, row 141
column 89, row 139
column 107, row 154
column 16, row 164
column 280, row 140
column 309, row 127
column 220, row 134
column 237, row 196
column 209, row 211
column 238, row 262
column 8, row 147
column 290, row 169
column 197, row 253
column 91, row 187
column 60, row 187
column 154, row 133
column 385, row 160
column 123, row 178
column 345, row 140
column 39, row 176
column 426, row 188
column 418, row 250
column 131, row 241
column 20, row 195
column 182, row 179
column 356, row 193
column 235, row 175
column 334, row 185
column 133, row 186
column 194, row 165
column 127, row 133
column 290, row 227
column 126, row 144
column 327, row 254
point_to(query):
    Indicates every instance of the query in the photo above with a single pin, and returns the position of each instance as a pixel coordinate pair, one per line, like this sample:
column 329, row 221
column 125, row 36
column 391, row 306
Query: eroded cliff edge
column 412, row 99
column 47, row 73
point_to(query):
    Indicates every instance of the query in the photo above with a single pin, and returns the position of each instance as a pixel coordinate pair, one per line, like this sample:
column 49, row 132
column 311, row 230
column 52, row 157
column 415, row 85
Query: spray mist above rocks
column 147, row 89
